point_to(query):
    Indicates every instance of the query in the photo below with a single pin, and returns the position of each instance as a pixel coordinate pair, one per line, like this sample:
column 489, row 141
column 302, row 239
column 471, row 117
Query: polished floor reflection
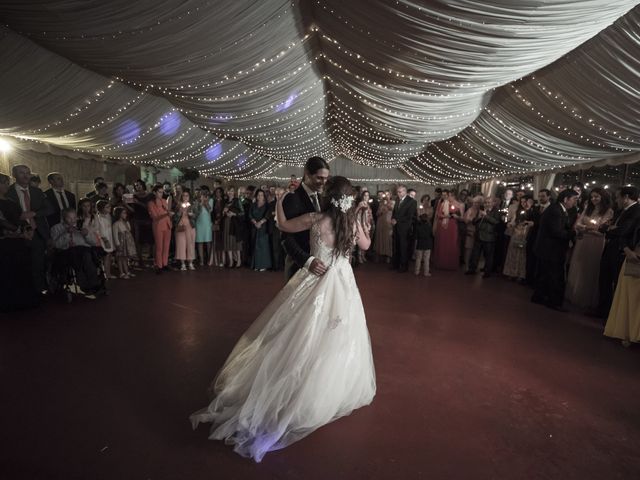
column 473, row 382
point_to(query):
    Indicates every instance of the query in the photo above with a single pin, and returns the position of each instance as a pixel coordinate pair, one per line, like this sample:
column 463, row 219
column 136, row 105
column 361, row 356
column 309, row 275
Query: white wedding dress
column 303, row 363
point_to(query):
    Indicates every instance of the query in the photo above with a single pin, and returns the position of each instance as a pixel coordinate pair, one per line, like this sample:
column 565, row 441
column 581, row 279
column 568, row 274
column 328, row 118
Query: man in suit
column 617, row 237
column 35, row 210
column 304, row 199
column 96, row 182
column 486, row 234
column 544, row 200
column 551, row 249
column 403, row 219
column 58, row 197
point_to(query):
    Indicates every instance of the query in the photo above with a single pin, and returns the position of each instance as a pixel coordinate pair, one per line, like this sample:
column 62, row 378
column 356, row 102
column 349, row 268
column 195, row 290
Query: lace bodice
column 321, row 241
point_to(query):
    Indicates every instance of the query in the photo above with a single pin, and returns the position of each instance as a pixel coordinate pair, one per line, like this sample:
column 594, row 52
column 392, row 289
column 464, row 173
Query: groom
column 305, row 199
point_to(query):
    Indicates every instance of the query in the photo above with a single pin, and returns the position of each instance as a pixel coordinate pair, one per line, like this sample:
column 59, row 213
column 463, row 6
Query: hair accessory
column 344, row 203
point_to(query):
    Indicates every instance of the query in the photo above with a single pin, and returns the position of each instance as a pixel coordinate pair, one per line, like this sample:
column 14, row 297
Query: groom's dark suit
column 404, row 213
column 296, row 245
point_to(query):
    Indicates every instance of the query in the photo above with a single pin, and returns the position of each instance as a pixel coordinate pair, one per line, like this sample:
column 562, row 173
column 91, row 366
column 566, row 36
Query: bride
column 306, row 360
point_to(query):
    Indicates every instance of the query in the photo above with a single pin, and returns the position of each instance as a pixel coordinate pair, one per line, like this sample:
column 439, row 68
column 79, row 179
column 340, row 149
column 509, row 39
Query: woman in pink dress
column 446, row 254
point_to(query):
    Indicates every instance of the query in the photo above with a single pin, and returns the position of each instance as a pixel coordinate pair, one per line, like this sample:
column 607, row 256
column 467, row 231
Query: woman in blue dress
column 204, row 227
column 261, row 258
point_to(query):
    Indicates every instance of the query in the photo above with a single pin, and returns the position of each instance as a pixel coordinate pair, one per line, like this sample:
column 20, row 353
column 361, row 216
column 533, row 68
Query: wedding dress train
column 303, row 363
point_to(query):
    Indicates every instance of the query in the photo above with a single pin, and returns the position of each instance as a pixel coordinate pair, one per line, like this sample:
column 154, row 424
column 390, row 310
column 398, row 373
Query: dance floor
column 474, row 382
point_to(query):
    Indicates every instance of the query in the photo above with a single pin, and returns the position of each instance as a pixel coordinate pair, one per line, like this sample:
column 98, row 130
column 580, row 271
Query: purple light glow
column 128, row 131
column 213, row 152
column 170, row 124
column 281, row 107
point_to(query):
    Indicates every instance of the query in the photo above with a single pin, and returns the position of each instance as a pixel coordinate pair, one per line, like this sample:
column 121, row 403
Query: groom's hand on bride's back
column 317, row 267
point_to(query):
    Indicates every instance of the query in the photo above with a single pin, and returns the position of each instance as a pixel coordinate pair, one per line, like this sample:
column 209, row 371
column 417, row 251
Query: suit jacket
column 487, row 226
column 54, row 218
column 39, row 204
column 554, row 234
column 296, row 245
column 404, row 213
column 627, row 221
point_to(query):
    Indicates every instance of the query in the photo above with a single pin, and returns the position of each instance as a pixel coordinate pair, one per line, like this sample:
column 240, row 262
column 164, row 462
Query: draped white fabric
column 447, row 91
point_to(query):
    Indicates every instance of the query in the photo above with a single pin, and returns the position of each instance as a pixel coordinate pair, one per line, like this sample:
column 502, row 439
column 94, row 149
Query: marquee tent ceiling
column 443, row 91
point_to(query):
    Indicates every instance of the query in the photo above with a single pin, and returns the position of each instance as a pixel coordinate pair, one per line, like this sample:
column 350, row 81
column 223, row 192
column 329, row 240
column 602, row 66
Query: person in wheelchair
column 74, row 251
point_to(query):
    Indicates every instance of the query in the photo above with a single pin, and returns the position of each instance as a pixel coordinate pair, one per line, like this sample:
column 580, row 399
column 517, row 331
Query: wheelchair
column 77, row 273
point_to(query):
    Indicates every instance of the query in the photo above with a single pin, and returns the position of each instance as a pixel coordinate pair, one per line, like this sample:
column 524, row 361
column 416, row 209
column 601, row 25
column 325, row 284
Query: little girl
column 104, row 228
column 424, row 244
column 124, row 242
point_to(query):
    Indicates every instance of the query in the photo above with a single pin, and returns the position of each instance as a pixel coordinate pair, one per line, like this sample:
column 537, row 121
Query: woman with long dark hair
column 584, row 270
column 260, row 248
column 306, row 360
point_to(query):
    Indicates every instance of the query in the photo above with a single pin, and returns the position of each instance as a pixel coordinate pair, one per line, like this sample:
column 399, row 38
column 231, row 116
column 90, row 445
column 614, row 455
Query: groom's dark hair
column 314, row 164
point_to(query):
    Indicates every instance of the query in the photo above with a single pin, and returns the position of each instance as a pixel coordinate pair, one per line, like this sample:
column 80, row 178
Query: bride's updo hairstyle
column 334, row 202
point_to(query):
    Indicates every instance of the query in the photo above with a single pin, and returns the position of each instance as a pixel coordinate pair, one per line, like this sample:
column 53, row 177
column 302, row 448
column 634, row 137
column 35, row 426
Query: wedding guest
column 258, row 216
column 424, row 244
column 584, row 270
column 446, row 250
column 365, row 217
column 87, row 221
column 94, row 192
column 101, row 193
column 425, row 206
column 544, row 200
column 118, row 198
column 551, row 249
column 462, row 227
column 58, row 197
column 176, row 195
column 204, row 228
column 515, row 264
column 384, row 230
column 17, row 291
column 186, row 231
column 436, row 198
column 470, row 215
column 624, row 318
column 140, row 219
column 217, row 218
column 104, row 223
column 617, row 236
column 277, row 252
column 123, row 241
column 161, row 218
column 35, row 209
column 35, row 180
column 233, row 229
column 403, row 220
column 412, row 193
column 486, row 233
column 502, row 239
column 77, row 252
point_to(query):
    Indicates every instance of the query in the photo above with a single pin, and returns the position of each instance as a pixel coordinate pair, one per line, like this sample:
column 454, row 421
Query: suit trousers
column 610, row 265
column 290, row 268
column 488, row 249
column 401, row 246
column 550, row 282
column 162, row 238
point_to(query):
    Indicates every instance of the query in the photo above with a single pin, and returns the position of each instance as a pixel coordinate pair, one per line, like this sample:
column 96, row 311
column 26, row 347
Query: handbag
column 181, row 228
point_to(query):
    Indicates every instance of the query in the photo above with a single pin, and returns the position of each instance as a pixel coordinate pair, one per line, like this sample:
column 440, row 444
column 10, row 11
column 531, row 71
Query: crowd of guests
column 581, row 247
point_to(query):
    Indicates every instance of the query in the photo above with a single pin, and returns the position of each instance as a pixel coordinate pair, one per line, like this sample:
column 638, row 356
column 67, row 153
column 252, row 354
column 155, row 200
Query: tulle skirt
column 304, row 362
